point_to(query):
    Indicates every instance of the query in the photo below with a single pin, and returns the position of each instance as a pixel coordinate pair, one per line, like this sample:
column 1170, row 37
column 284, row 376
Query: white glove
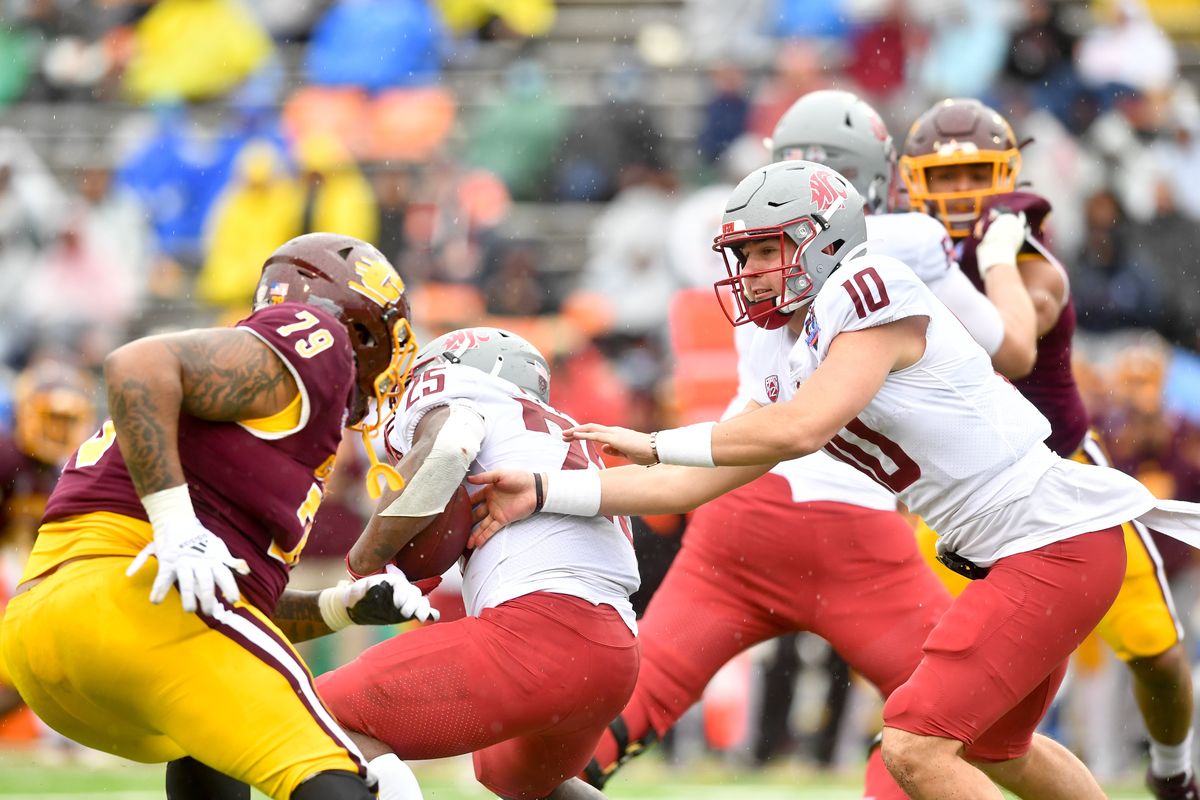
column 188, row 554
column 383, row 599
column 1001, row 242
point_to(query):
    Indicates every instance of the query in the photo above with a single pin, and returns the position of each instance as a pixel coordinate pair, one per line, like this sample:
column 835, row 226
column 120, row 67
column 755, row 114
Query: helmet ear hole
column 364, row 335
column 833, row 247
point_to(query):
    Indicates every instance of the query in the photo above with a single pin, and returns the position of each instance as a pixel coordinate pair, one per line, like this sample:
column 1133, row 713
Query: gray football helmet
column 494, row 351
column 819, row 210
column 840, row 130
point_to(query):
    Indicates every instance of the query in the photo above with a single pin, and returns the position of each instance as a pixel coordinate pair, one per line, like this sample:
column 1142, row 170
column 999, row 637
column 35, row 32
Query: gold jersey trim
column 288, row 419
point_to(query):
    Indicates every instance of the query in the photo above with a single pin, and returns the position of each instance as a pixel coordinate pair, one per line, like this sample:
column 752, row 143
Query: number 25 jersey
column 586, row 557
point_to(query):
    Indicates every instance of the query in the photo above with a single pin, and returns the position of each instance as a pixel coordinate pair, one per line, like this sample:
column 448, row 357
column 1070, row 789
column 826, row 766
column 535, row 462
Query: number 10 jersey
column 951, row 438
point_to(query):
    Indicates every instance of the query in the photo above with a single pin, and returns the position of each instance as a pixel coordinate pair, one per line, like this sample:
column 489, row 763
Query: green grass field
column 26, row 775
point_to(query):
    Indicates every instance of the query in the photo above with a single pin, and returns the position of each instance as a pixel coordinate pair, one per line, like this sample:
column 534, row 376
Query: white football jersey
column 955, row 441
column 587, row 557
column 762, row 362
column 921, row 242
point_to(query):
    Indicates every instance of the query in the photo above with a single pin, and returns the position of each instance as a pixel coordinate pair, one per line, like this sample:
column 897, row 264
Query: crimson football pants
column 527, row 687
column 755, row 565
column 994, row 662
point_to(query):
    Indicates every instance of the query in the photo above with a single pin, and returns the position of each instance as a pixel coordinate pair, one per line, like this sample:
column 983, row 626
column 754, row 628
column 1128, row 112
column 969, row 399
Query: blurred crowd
column 559, row 169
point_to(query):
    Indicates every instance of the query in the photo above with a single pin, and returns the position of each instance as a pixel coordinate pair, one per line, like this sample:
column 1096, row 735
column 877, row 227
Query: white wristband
column 168, row 506
column 573, row 491
column 332, row 603
column 690, row 446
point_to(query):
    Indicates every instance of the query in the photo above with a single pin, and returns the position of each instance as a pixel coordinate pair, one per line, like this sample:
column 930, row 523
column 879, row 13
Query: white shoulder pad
column 865, row 292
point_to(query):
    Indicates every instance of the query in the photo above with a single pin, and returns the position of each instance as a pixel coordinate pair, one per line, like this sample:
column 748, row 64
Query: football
column 435, row 549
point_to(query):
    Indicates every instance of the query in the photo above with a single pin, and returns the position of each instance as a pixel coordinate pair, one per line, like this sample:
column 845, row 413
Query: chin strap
column 379, row 471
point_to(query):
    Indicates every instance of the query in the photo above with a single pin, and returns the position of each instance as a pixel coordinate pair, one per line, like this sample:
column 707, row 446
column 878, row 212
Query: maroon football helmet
column 959, row 131
column 351, row 280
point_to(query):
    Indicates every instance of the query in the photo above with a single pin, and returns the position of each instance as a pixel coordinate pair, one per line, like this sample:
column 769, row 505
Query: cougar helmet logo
column 461, row 340
column 771, row 384
column 825, row 190
column 380, row 283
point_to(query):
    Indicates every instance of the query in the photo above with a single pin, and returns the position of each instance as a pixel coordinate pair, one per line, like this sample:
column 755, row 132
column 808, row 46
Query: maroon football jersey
column 25, row 483
column 257, row 491
column 1051, row 385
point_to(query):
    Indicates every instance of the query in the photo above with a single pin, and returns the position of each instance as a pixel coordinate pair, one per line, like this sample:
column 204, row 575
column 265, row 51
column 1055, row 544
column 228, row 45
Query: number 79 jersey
column 587, row 557
column 948, row 435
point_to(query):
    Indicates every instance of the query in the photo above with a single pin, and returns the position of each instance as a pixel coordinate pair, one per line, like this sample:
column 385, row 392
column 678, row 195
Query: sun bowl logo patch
column 825, row 189
column 812, row 331
column 771, row 384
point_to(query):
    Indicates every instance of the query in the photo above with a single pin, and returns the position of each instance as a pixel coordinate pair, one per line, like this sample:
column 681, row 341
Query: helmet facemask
column 375, row 411
column 52, row 419
column 945, row 205
column 796, row 287
column 959, row 132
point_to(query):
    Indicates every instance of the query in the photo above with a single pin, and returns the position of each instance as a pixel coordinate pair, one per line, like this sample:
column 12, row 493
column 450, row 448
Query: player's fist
column 387, row 599
column 1003, row 239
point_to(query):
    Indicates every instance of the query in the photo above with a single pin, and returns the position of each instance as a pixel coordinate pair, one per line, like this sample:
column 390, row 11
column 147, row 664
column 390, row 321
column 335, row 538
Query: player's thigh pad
column 1142, row 621
column 102, row 665
column 1003, row 637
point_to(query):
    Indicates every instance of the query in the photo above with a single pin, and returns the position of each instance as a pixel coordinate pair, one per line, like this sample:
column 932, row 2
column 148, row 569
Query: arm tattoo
column 143, row 441
column 298, row 616
column 229, row 378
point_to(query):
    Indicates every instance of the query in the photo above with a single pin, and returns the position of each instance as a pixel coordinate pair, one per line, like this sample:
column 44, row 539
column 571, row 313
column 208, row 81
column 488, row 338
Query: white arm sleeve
column 443, row 470
column 973, row 309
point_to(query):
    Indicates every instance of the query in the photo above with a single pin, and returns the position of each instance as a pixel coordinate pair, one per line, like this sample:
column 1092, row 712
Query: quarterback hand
column 629, row 444
column 384, row 599
column 508, row 496
column 192, row 557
